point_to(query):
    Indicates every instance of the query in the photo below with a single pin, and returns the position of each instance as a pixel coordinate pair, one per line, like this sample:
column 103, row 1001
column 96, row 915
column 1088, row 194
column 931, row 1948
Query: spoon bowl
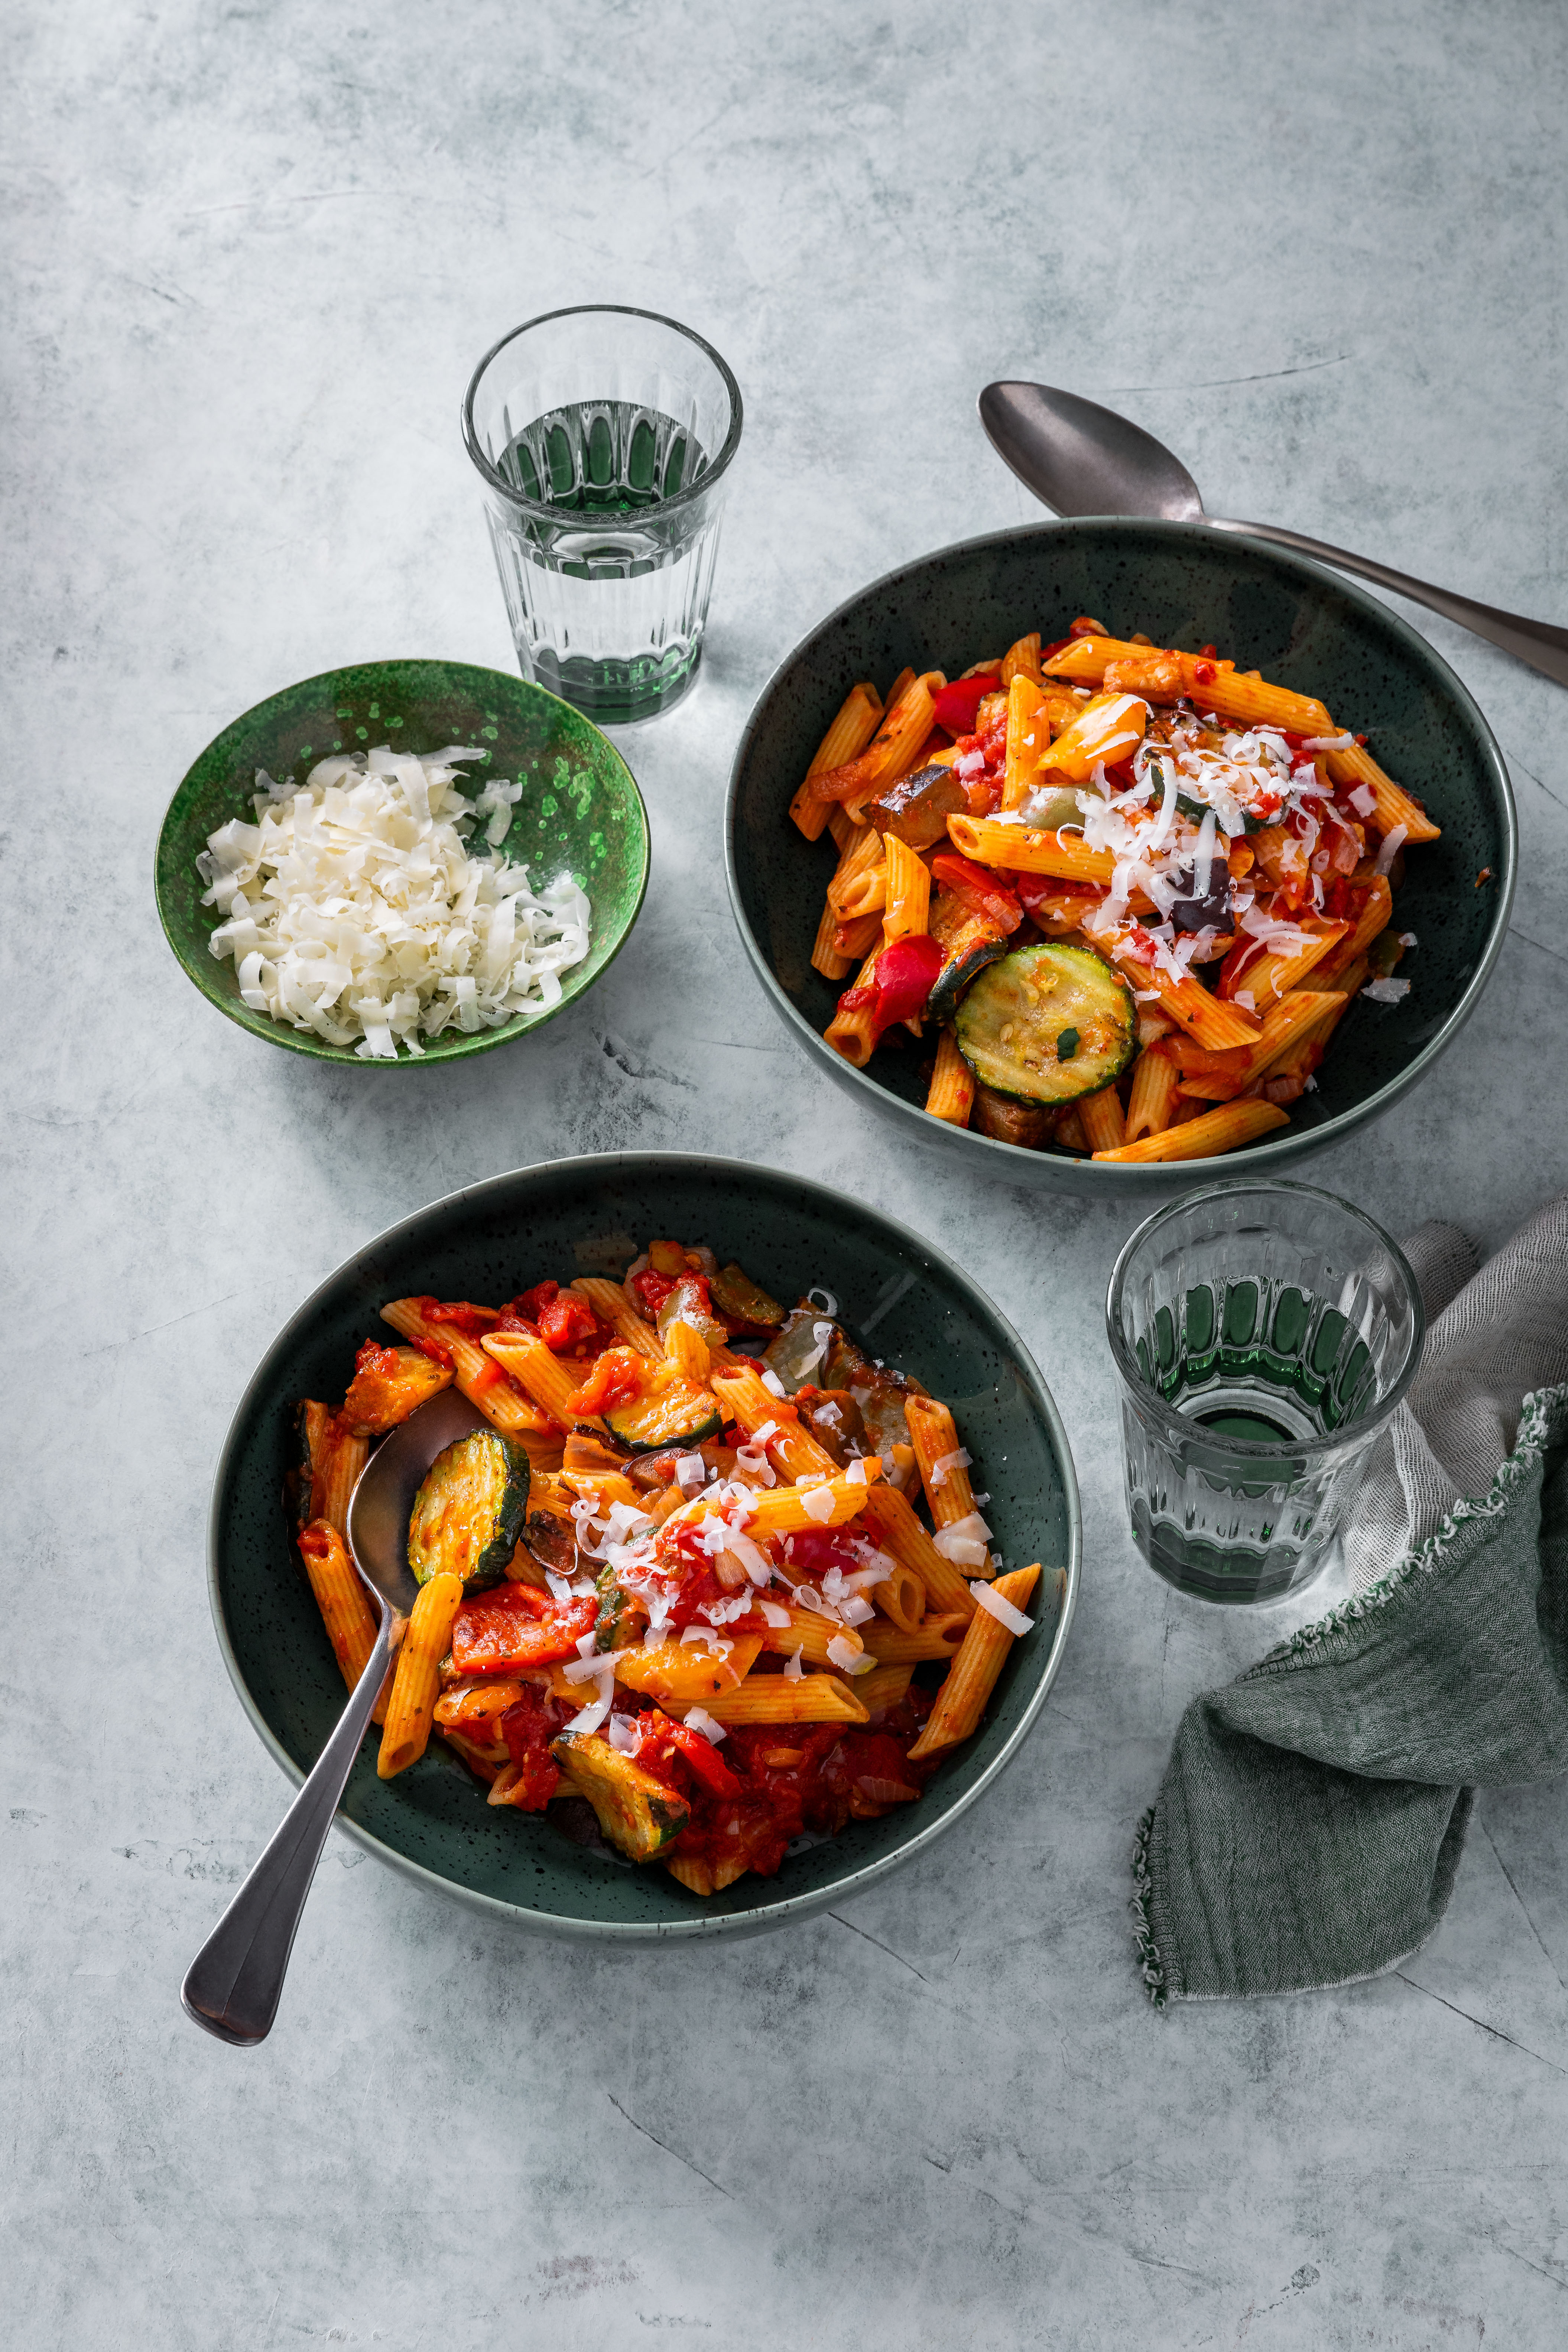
column 233, row 1986
column 1082, row 459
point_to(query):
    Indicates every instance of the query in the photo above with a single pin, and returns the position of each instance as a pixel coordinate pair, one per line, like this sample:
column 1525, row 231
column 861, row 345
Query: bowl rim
column 1012, row 1161
column 759, row 1917
column 318, row 1049
column 496, row 481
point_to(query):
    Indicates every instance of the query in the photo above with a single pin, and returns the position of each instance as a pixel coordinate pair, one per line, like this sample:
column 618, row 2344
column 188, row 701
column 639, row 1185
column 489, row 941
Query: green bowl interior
column 583, row 1216
column 1183, row 585
column 581, row 811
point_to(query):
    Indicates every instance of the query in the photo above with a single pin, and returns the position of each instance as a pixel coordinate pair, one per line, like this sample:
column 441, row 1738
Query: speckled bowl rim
column 1010, row 1162
column 762, row 1916
column 318, row 1049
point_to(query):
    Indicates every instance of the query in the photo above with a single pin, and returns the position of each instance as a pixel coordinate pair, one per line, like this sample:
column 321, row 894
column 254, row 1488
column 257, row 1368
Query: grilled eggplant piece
column 917, row 807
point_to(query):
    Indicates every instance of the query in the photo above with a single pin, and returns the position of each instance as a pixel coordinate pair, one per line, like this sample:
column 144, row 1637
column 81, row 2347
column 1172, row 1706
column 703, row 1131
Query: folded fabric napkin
column 1311, row 1820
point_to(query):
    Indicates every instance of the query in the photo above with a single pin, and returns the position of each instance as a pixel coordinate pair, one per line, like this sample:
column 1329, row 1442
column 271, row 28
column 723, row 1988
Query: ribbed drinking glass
column 1264, row 1334
column 604, row 438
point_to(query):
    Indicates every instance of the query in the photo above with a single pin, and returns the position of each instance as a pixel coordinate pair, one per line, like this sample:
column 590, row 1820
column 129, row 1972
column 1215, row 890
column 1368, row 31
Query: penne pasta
column 1154, row 1095
column 481, row 1380
column 544, row 1376
column 611, row 1305
column 1208, row 1020
column 854, row 1033
column 1028, row 735
column 1024, row 850
column 1272, row 975
column 907, row 880
column 950, row 1095
column 883, row 1687
column 752, row 1406
column 971, row 1677
column 848, row 737
column 1222, row 1129
column 774, row 1698
column 1161, row 674
column 890, row 1520
column 1102, row 1119
column 341, row 1598
column 1392, row 806
column 935, row 1637
column 415, row 1686
column 934, row 1437
column 679, row 1674
column 901, row 1598
column 904, row 728
column 1023, row 660
column 687, row 1350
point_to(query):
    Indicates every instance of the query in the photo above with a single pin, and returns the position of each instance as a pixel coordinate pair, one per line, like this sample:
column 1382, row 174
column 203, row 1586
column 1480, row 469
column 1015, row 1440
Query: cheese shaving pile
column 353, row 908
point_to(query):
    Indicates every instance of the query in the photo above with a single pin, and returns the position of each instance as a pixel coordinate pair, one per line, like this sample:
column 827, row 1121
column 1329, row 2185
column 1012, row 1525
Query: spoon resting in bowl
column 233, row 1985
column 1081, row 459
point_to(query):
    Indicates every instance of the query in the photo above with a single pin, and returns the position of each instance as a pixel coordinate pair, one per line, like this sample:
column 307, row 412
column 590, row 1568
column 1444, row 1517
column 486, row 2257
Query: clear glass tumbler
column 1264, row 1334
column 603, row 437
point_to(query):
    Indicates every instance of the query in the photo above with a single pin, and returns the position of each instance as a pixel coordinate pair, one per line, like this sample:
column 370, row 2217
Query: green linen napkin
column 1311, row 1818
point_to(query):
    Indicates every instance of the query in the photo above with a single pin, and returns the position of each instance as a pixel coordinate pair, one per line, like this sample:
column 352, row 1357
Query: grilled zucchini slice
column 639, row 1815
column 468, row 1512
column 968, row 946
column 1047, row 1023
column 676, row 1412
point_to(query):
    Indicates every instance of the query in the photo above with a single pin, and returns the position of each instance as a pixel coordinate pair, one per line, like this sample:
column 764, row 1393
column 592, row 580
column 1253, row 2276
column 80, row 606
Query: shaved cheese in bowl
column 354, row 907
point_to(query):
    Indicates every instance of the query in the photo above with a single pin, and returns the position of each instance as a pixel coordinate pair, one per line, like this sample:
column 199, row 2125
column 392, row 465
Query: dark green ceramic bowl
column 1181, row 585
column 913, row 1306
column 581, row 813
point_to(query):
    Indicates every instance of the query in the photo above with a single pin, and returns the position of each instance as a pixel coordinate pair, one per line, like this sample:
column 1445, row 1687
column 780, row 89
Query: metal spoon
column 1082, row 459
column 233, row 1985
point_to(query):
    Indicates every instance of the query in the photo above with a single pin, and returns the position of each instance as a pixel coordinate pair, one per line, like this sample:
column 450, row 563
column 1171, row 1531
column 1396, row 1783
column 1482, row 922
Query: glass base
column 1233, row 1575
column 617, row 693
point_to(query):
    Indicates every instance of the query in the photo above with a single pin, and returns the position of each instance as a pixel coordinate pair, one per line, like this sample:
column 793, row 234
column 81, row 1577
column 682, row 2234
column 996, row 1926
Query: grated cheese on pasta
column 353, row 908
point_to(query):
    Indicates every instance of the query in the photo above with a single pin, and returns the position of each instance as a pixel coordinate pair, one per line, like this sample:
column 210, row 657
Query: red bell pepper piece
column 953, row 706
column 517, row 1626
column 980, row 890
column 902, row 978
column 650, row 1290
column 707, row 1766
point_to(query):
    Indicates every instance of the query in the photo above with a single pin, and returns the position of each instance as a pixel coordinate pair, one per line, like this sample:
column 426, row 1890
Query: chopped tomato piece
column 434, row 1350
column 528, row 1302
column 374, row 1358
column 650, row 1290
column 980, row 889
column 568, row 1322
column 1238, row 964
column 528, row 1727
column 618, row 1376
column 515, row 1627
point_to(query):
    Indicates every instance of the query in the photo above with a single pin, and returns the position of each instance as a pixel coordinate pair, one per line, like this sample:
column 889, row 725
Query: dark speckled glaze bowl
column 1185, row 586
column 581, row 813
column 910, row 1306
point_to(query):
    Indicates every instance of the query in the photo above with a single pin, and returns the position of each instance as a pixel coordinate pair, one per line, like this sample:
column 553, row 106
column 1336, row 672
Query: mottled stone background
column 253, row 252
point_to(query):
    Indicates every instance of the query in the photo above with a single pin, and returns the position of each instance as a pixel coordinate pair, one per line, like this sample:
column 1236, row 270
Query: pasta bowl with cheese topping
column 751, row 1575
column 1095, row 851
column 402, row 862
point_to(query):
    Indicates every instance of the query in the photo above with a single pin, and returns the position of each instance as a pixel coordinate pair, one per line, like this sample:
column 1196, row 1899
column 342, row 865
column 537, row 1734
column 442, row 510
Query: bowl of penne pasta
column 1093, row 850
column 748, row 1572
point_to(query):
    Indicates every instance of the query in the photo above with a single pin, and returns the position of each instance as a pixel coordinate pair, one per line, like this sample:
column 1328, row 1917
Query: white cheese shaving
column 1328, row 742
column 849, row 1655
column 352, row 907
column 997, row 1606
column 1386, row 992
column 791, row 1667
column 818, row 1297
column 944, row 1466
column 1391, row 844
column 818, row 1503
column 854, row 1476
column 963, row 1542
column 701, row 1720
column 773, row 1614
column 1363, row 800
column 773, row 1383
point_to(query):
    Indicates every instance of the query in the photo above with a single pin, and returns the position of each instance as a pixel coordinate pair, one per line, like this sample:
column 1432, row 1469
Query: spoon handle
column 1540, row 645
column 233, row 1985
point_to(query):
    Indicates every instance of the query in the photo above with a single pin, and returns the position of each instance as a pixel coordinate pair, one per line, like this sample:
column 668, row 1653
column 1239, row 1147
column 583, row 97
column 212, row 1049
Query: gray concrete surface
column 253, row 252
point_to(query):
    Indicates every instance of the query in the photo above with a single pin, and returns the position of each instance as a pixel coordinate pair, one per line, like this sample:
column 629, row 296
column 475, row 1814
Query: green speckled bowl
column 913, row 1306
column 581, row 813
column 1181, row 585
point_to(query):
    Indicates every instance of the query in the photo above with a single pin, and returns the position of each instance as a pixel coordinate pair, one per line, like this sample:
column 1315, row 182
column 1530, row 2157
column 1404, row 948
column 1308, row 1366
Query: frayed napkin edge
column 1529, row 1444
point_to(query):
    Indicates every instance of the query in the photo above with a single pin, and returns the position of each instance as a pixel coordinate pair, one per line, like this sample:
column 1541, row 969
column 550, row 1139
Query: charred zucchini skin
column 1074, row 990
column 734, row 1294
column 470, row 1510
column 675, row 1414
column 1198, row 810
column 638, row 1813
column 974, row 946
